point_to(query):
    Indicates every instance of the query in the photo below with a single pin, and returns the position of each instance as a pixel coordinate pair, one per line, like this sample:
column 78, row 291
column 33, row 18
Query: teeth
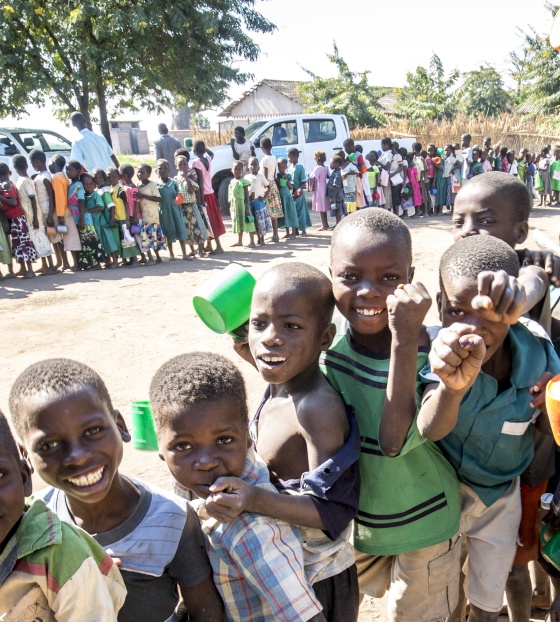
column 88, row 479
column 368, row 311
column 273, row 359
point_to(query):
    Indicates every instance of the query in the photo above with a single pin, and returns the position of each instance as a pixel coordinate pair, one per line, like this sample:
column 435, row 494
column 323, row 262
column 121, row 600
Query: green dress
column 555, row 181
column 170, row 216
column 236, row 198
column 5, row 248
column 298, row 179
column 109, row 236
column 441, row 184
column 288, row 205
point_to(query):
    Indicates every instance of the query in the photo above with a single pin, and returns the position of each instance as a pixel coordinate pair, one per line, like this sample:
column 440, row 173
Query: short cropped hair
column 19, row 162
column 190, row 379
column 311, row 283
column 7, row 442
column 57, row 377
column 416, row 147
column 378, row 223
column 126, row 169
column 98, row 170
column 266, row 143
column 512, row 193
column 147, row 167
column 37, row 154
column 474, row 254
column 337, row 160
column 182, row 152
column 199, row 146
column 4, row 169
column 239, row 129
column 59, row 161
column 74, row 164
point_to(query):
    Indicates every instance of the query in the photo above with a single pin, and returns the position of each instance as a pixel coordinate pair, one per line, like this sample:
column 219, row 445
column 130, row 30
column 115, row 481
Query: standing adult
column 166, row 147
column 91, row 150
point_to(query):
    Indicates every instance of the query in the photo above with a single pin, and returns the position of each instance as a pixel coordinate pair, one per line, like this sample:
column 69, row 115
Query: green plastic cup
column 224, row 303
column 143, row 431
column 283, row 181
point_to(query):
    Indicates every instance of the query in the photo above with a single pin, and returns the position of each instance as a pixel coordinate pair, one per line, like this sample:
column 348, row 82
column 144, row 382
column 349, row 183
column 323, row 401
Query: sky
column 389, row 40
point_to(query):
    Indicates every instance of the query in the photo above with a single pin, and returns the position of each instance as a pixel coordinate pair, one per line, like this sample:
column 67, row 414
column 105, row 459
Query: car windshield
column 253, row 127
column 44, row 141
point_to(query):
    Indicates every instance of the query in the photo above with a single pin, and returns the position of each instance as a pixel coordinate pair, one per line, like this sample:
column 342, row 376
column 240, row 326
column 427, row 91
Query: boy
column 303, row 433
column 406, row 529
column 242, row 148
column 492, row 377
column 200, row 410
column 257, row 193
column 150, row 230
column 335, row 189
column 44, row 563
column 63, row 415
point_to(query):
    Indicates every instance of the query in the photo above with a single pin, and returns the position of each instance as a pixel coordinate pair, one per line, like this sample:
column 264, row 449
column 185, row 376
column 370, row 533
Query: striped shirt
column 408, row 502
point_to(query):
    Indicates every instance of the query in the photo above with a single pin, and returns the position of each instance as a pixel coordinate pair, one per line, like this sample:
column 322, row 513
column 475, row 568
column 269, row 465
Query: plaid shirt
column 258, row 562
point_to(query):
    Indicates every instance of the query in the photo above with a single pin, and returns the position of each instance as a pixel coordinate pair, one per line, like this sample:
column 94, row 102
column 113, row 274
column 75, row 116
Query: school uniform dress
column 236, row 198
column 171, row 219
column 92, row 254
column 109, row 236
column 71, row 238
column 290, row 218
column 299, row 178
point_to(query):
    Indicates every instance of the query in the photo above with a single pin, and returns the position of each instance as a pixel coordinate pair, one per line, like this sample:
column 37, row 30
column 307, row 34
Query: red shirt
column 11, row 211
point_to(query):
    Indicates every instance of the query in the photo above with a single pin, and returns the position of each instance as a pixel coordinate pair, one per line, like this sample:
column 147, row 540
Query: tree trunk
column 102, row 103
column 180, row 117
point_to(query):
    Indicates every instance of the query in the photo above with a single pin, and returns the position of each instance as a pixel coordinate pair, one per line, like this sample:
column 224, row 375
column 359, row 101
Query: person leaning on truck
column 243, row 148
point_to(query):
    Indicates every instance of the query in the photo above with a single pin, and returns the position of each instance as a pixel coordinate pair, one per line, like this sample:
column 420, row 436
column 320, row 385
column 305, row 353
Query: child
column 299, row 183
column 450, row 167
column 242, row 148
column 126, row 172
column 70, row 239
column 35, row 222
column 512, row 163
column 23, row 250
column 432, row 173
column 492, row 377
column 129, row 253
column 349, row 173
column 46, row 564
column 320, row 201
column 374, row 180
column 485, row 161
column 522, row 165
column 200, row 410
column 148, row 194
column 257, row 192
column 172, row 223
column 45, row 201
column 285, row 187
column 406, row 529
column 420, row 164
column 363, row 167
column 335, row 190
column 555, row 177
column 238, row 196
column 202, row 164
column 189, row 190
column 476, row 166
column 65, row 421
column 414, row 181
column 273, row 201
column 95, row 210
column 530, row 176
column 105, row 222
column 92, row 254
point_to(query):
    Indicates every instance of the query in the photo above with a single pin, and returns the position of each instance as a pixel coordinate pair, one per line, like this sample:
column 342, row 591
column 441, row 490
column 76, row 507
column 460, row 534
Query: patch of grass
column 136, row 160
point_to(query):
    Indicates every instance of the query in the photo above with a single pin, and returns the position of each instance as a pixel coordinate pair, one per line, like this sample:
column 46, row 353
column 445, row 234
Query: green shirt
column 408, row 502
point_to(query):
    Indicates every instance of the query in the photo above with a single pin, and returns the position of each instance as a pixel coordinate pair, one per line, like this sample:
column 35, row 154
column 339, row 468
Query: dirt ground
column 125, row 323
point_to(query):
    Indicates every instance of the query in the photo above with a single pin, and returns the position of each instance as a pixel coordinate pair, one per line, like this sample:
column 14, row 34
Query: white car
column 22, row 140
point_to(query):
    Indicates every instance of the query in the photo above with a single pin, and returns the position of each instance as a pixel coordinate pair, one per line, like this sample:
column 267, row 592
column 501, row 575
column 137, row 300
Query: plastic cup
column 143, row 431
column 224, row 303
column 283, row 181
column 553, row 406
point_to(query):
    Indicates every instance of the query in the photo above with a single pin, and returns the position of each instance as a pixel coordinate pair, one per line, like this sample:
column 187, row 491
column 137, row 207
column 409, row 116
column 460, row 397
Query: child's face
column 282, row 167
column 448, row 151
column 163, row 170
column 455, row 305
column 335, row 166
column 283, row 326
column 203, row 442
column 431, row 152
column 72, row 173
column 15, row 485
column 483, row 156
column 142, row 174
column 99, row 179
column 114, row 178
column 254, row 165
column 239, row 136
column 89, row 185
column 76, row 444
column 182, row 164
column 293, row 158
column 475, row 212
column 364, row 272
column 237, row 171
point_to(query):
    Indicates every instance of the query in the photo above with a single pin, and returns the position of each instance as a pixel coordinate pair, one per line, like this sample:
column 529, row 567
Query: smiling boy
column 63, row 415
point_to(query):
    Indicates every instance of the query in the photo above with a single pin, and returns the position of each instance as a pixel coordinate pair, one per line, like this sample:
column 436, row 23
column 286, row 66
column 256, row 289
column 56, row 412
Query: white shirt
column 268, row 162
column 513, row 168
column 449, row 165
column 258, row 184
column 395, row 161
column 467, row 161
column 92, row 151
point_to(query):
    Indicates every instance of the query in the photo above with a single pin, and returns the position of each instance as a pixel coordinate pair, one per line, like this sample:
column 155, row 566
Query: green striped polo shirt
column 408, row 502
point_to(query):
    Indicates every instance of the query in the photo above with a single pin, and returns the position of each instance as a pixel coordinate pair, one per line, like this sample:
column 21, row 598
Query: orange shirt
column 60, row 185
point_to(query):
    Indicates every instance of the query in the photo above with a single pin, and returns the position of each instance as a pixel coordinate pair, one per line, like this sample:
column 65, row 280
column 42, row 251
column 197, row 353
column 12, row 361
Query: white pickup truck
column 307, row 132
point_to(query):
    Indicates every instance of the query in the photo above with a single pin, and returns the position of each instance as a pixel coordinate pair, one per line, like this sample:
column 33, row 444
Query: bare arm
column 115, row 160
column 34, row 209
column 200, row 181
column 50, row 194
column 246, row 191
column 82, row 209
column 203, row 602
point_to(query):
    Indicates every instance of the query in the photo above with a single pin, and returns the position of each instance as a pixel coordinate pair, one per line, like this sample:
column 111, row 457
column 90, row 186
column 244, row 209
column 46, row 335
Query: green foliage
column 200, row 122
column 348, row 93
column 428, row 94
column 137, row 54
column 483, row 93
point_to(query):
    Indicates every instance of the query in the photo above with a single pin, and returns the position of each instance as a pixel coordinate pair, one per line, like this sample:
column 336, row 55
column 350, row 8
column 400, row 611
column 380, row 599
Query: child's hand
column 229, row 498
column 50, row 221
column 112, row 223
column 241, row 344
column 81, row 225
column 407, row 308
column 546, row 260
column 538, row 391
column 456, row 356
column 501, row 298
column 35, row 223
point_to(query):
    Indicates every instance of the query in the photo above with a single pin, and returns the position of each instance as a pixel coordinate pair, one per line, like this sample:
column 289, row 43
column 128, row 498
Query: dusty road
column 126, row 323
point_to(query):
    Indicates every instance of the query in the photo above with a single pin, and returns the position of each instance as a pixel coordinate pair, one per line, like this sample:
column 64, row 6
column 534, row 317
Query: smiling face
column 163, row 171
column 99, row 179
column 285, row 332
column 205, row 441
column 76, row 444
column 237, row 171
column 182, row 164
column 477, row 212
column 364, row 272
column 282, row 166
column 15, row 485
column 455, row 305
column 114, row 177
column 89, row 184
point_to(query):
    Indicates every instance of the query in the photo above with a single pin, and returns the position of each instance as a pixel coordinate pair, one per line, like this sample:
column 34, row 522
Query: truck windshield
column 252, row 128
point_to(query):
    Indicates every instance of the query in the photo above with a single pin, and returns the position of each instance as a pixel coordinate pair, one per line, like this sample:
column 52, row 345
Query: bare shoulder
column 321, row 410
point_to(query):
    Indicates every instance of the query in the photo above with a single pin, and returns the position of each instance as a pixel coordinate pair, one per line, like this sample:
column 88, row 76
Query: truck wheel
column 223, row 195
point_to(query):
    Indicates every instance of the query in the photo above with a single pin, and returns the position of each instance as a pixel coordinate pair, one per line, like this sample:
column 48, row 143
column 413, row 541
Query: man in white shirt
column 90, row 150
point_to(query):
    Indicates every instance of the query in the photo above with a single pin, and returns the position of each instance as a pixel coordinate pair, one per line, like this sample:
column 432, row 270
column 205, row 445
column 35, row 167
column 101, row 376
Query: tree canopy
column 348, row 93
column 141, row 54
column 482, row 93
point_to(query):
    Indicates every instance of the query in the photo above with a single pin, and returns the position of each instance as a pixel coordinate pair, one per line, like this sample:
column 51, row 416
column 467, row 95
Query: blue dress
column 288, row 205
column 299, row 178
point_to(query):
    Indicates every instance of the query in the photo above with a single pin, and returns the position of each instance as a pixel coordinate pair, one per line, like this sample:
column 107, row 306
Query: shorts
column 423, row 584
column 340, row 596
column 491, row 538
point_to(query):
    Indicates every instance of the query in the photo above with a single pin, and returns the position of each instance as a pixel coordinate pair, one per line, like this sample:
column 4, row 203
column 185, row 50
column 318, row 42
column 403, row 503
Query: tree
column 483, row 93
column 199, row 121
column 518, row 70
column 135, row 54
column 428, row 94
column 348, row 93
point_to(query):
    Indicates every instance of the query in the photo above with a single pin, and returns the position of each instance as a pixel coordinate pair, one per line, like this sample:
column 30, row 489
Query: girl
column 272, row 200
column 349, row 173
column 441, row 181
column 431, row 178
column 257, row 192
column 188, row 188
column 555, row 177
column 150, row 230
column 238, row 195
column 172, row 222
column 126, row 173
column 70, row 239
column 299, row 183
column 374, row 180
column 530, row 176
column 335, row 190
column 476, row 167
column 450, row 165
column 320, row 201
column 92, row 253
column 284, row 183
column 23, row 250
column 414, row 181
column 128, row 254
column 202, row 164
column 104, row 221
